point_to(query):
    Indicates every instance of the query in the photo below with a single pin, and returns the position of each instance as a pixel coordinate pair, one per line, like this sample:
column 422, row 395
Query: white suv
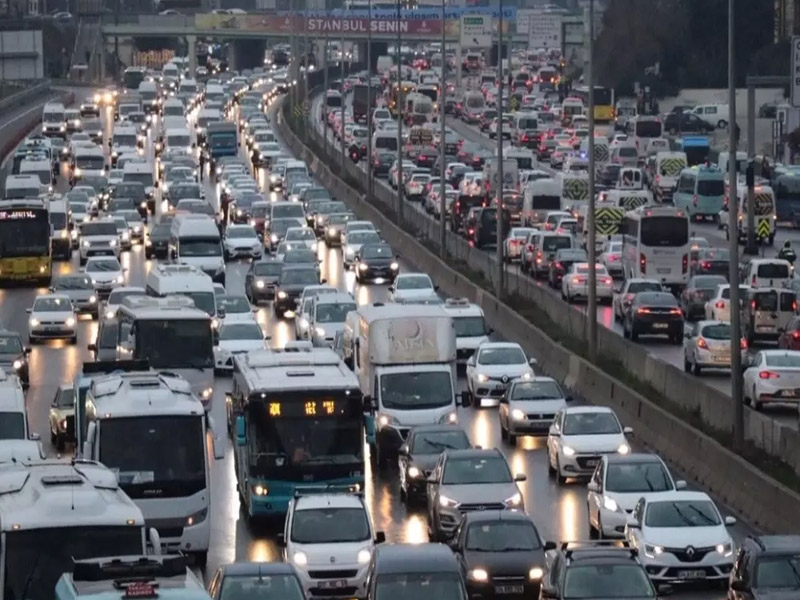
column 98, row 238
column 330, row 539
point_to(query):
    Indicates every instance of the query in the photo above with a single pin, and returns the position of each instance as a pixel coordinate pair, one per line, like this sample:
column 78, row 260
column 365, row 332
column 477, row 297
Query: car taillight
column 658, row 179
column 720, row 304
column 702, row 343
column 675, row 311
column 628, row 297
column 643, row 263
column 753, row 303
column 613, row 257
column 743, row 344
column 794, row 306
column 607, row 280
column 685, row 263
column 705, row 264
column 643, row 311
column 529, row 247
column 768, row 375
column 796, row 335
column 559, row 265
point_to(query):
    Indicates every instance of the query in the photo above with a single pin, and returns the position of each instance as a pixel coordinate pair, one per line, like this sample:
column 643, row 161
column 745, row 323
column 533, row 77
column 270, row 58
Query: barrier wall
column 764, row 502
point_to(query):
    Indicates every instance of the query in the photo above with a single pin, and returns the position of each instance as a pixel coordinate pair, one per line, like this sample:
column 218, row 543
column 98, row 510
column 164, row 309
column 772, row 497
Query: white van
column 195, row 240
column 385, row 140
column 22, row 186
column 178, row 140
column 42, row 169
column 140, row 172
column 54, row 120
column 768, row 273
column 538, row 198
column 124, row 140
column 88, row 162
column 12, row 409
column 471, row 330
column 715, row 115
column 183, row 280
column 384, row 64
column 60, row 225
column 148, row 90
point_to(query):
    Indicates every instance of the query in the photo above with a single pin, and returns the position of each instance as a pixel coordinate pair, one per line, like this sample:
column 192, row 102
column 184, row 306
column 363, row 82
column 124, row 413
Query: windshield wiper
column 441, row 445
column 702, row 514
column 681, row 514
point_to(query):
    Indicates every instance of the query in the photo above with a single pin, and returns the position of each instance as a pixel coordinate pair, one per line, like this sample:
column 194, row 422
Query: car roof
column 636, row 457
column 588, row 409
column 258, row 568
column 473, row 453
column 678, row 495
column 416, row 558
column 490, row 516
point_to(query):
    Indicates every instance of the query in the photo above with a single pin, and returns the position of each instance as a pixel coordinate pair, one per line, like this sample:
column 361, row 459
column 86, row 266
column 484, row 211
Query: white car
column 772, row 376
column 236, row 337
column 618, row 483
column 470, row 326
column 630, row 287
column 681, row 536
column 575, row 283
column 301, row 235
column 327, row 318
column 492, row 368
column 515, row 241
column 115, row 176
column 98, row 238
column 579, row 436
column 304, row 305
column 235, row 308
column 52, row 316
column 708, row 346
column 412, row 286
column 611, row 258
column 352, row 242
column 106, row 273
column 529, row 407
column 241, row 241
column 330, row 538
column 718, row 307
column 109, row 308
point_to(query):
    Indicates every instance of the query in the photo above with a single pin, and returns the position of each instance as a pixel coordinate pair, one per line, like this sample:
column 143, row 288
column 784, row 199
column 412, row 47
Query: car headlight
column 110, row 314
column 514, row 501
column 364, row 556
column 363, row 266
column 536, row 573
column 319, row 331
column 112, row 243
column 624, row 449
column 273, row 238
column 206, row 393
column 449, row 418
column 610, row 504
column 238, row 212
column 413, row 472
column 725, row 549
column 300, row 559
column 652, row 551
column 125, row 235
column 282, row 295
column 518, row 415
column 568, row 451
column 260, row 285
column 137, row 228
column 86, row 243
column 446, row 502
column 394, row 266
column 92, row 299
column 34, row 322
column 482, row 378
column 18, row 364
column 331, row 231
column 350, row 251
column 70, row 322
column 478, row 575
column 120, row 279
column 527, row 375
column 148, row 243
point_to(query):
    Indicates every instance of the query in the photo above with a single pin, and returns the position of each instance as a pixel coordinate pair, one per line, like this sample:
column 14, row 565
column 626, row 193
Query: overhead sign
column 417, row 14
column 796, row 71
column 544, row 31
column 476, row 31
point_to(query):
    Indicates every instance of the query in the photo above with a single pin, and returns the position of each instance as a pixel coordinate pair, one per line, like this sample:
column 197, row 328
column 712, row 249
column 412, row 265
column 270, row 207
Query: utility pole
column 370, row 171
column 591, row 311
column 500, row 286
column 442, row 157
column 401, row 103
column 751, row 248
column 306, row 53
column 341, row 77
column 733, row 240
column 326, row 66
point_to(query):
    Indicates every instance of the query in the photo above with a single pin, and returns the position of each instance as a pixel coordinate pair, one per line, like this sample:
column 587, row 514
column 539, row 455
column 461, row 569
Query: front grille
column 682, row 555
column 488, row 506
column 509, row 579
column 583, row 461
column 338, row 574
column 170, row 532
column 541, row 417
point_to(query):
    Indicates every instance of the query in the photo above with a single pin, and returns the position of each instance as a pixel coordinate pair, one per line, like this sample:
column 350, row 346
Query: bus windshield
column 132, row 78
column 28, row 236
column 178, row 343
column 664, row 232
column 169, row 456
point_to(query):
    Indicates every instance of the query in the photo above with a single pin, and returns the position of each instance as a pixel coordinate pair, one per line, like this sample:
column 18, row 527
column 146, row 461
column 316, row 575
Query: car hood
column 511, row 371
column 505, row 563
column 6, row 360
column 594, row 443
column 234, row 346
column 331, row 329
column 480, row 493
column 681, row 537
column 538, row 406
column 52, row 316
column 77, row 294
column 331, row 555
column 203, row 262
column 423, row 293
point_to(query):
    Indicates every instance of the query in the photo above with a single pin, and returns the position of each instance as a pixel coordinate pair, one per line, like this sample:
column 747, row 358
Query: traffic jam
column 256, row 353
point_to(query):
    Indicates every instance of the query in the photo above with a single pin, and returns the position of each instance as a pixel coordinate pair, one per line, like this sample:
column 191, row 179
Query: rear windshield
column 553, row 243
column 710, row 187
column 773, row 271
column 783, row 360
column 720, row 331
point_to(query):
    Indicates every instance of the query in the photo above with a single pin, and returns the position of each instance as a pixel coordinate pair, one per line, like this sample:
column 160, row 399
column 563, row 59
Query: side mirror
column 730, row 521
column 568, row 399
column 324, row 281
column 391, row 290
column 35, row 437
column 680, row 484
column 627, row 430
column 156, row 183
column 533, row 362
column 593, row 486
column 28, row 310
column 26, row 351
column 403, row 451
column 431, row 479
column 465, row 399
column 241, row 433
column 548, row 546
column 632, row 522
column 92, row 347
column 520, row 477
column 380, row 537
column 436, row 288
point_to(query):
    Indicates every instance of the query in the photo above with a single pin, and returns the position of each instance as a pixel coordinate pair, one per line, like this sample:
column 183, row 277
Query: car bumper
column 613, row 522
column 52, row 331
column 378, row 273
column 672, row 328
column 245, row 252
column 719, row 360
column 530, row 426
column 766, row 392
column 578, row 465
column 490, row 390
column 345, row 581
column 504, row 587
column 667, row 567
column 603, row 291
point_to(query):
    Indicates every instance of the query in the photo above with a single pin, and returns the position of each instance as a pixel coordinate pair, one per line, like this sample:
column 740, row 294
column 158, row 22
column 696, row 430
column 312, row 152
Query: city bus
column 604, row 105
column 297, row 417
column 25, row 242
column 655, row 245
column 397, row 96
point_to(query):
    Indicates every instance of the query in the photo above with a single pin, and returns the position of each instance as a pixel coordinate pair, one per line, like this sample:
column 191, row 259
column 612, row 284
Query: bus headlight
column 364, row 556
column 260, row 490
column 197, row 517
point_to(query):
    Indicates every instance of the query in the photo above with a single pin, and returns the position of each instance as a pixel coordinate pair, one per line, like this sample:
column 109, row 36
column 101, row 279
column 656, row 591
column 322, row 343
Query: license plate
column 593, row 462
column 509, row 589
column 722, row 359
column 52, row 328
column 692, row 574
column 332, row 584
column 660, row 325
column 664, row 271
column 789, row 393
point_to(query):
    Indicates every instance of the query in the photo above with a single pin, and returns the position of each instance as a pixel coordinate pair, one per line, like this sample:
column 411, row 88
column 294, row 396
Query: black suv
column 766, row 567
column 594, row 570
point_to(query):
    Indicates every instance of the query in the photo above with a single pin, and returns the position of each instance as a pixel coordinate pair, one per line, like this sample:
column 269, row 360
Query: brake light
column 642, row 263
column 675, row 311
column 628, row 297
column 753, row 303
column 607, row 280
column 702, row 343
column 685, row 263
column 743, row 344
column 658, row 179
column 794, row 306
column 796, row 335
column 559, row 265
column 613, row 257
column 578, row 279
column 643, row 311
column 720, row 304
column 768, row 375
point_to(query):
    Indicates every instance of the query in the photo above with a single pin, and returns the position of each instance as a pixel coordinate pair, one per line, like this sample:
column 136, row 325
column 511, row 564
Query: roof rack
column 331, row 488
column 127, row 568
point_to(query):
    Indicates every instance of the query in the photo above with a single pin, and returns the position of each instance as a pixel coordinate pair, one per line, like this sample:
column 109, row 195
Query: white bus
column 150, row 430
column 655, row 244
column 643, row 129
column 171, row 334
column 53, row 512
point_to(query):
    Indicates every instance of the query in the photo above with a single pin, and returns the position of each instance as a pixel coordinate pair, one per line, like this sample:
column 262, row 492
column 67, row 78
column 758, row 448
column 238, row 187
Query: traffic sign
column 544, row 31
column 796, row 71
column 476, row 31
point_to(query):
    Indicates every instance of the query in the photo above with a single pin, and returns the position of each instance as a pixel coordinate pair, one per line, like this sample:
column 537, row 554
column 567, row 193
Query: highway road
column 658, row 347
column 559, row 511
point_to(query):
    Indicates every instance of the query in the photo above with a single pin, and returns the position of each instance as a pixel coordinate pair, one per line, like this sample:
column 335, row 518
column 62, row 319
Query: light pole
column 733, row 239
column 499, row 286
column 591, row 311
column 370, row 171
column 341, row 78
column 326, row 66
column 400, row 106
column 442, row 157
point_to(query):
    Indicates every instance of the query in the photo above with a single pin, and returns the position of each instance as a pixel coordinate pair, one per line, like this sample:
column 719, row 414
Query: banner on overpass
column 334, row 25
column 417, row 14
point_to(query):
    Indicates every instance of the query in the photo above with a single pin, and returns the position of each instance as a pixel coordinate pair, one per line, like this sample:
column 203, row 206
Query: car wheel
column 551, row 471
column 687, row 366
column 560, row 479
column 755, row 403
column 696, row 369
column 722, row 124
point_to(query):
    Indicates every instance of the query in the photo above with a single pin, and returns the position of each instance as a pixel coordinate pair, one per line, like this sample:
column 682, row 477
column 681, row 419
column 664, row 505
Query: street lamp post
column 370, row 171
column 442, row 156
column 498, row 189
column 591, row 310
column 400, row 106
column 341, row 76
